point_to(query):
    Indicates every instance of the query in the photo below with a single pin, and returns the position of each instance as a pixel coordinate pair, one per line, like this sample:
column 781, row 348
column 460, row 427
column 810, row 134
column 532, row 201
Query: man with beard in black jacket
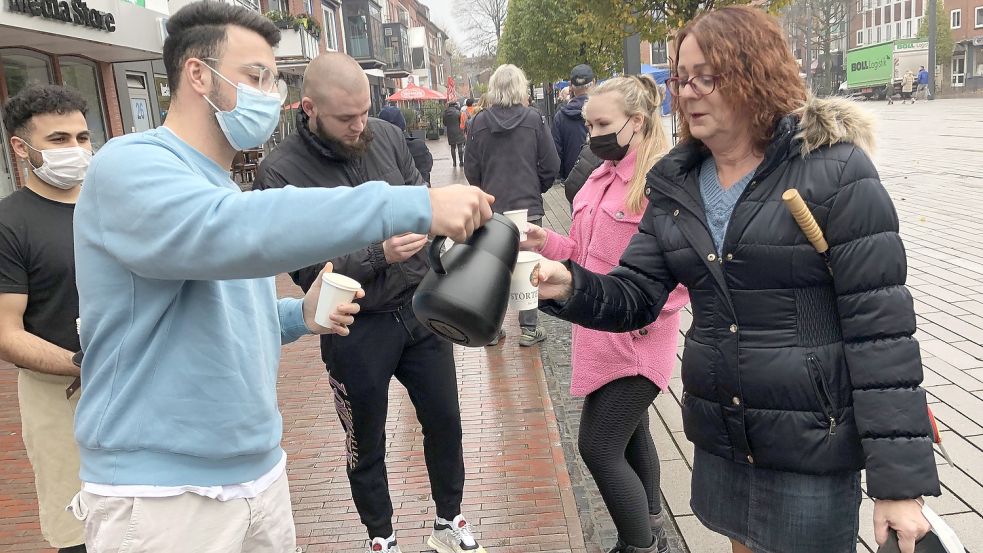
column 338, row 144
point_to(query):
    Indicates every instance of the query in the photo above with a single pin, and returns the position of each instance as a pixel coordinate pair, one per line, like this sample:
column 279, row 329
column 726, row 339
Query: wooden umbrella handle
column 797, row 207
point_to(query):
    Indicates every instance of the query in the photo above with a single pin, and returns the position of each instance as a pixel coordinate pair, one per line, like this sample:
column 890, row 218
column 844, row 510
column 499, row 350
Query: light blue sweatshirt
column 181, row 326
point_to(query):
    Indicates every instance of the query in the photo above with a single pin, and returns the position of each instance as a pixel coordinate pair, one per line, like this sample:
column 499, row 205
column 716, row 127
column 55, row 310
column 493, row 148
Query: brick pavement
column 518, row 494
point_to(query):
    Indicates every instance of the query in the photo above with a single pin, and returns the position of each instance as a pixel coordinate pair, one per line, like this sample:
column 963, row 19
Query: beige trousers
column 189, row 523
column 47, row 421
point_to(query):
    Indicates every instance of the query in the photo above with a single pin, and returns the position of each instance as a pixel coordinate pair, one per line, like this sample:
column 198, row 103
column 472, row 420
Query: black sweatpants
column 617, row 447
column 360, row 366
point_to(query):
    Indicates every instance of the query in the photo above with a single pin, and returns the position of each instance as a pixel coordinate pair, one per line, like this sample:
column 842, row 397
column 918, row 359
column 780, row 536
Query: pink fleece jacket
column 599, row 234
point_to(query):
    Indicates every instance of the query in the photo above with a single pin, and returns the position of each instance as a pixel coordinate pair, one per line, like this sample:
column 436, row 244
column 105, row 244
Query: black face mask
column 606, row 146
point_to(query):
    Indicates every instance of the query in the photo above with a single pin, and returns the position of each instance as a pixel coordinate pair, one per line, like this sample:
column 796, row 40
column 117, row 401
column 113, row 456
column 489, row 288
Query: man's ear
column 307, row 105
column 19, row 146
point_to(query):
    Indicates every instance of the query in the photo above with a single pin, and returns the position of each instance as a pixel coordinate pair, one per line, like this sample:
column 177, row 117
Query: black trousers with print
column 360, row 366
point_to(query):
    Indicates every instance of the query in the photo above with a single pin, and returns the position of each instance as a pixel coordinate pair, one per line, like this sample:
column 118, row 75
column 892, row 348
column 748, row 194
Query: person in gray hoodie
column 510, row 154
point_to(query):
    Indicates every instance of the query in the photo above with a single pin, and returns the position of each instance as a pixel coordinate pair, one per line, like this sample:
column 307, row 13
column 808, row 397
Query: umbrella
column 414, row 92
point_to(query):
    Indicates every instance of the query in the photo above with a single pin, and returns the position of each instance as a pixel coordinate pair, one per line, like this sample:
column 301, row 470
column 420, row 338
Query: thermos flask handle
column 434, row 254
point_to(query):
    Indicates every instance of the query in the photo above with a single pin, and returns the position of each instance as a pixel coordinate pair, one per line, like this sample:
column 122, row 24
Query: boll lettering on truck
column 875, row 71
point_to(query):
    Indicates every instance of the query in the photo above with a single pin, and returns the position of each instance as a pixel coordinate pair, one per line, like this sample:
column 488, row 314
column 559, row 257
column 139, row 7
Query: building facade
column 965, row 18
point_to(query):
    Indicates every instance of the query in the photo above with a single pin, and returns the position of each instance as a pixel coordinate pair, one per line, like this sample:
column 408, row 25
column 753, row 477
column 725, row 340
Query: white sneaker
column 454, row 536
column 384, row 545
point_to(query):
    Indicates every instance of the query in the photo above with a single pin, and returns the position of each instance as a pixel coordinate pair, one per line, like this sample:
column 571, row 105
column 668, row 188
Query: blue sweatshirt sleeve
column 168, row 221
column 292, row 325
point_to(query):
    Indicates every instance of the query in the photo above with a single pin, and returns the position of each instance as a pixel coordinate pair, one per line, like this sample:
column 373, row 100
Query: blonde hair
column 508, row 86
column 639, row 95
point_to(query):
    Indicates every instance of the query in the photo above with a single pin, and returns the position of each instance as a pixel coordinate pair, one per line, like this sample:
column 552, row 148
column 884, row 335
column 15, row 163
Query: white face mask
column 63, row 168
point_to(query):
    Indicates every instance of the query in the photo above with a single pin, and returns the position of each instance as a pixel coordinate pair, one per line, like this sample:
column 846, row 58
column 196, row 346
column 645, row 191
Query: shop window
column 22, row 68
column 81, row 75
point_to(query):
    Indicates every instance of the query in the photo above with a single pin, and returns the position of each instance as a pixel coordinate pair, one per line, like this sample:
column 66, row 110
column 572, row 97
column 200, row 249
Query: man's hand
column 400, row 248
column 905, row 516
column 340, row 319
column 554, row 281
column 458, row 210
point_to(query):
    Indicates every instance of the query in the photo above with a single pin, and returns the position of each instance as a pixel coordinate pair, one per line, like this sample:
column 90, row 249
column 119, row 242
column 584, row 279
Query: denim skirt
column 773, row 511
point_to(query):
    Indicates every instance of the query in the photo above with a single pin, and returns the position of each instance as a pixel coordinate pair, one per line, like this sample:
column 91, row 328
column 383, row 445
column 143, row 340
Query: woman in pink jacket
column 620, row 374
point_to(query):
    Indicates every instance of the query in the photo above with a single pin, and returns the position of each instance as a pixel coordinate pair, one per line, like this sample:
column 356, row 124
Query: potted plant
column 313, row 27
column 280, row 19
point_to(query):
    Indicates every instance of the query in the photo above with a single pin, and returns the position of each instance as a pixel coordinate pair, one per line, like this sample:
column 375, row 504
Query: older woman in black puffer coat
column 800, row 369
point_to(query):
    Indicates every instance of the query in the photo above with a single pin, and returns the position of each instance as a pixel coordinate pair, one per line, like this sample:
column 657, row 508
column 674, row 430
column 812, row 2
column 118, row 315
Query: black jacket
column 304, row 160
column 452, row 121
column 789, row 364
column 569, row 133
column 422, row 157
column 582, row 170
column 511, row 156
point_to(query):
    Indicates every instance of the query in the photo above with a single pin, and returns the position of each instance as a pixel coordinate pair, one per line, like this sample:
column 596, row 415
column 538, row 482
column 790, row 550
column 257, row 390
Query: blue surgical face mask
column 253, row 120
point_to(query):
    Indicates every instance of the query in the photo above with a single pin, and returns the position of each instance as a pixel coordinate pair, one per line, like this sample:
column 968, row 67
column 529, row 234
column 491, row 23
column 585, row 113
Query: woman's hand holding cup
column 535, row 239
column 554, row 281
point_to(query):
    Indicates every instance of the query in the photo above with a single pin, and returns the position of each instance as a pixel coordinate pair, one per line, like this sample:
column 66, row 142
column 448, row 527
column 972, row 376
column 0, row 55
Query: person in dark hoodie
column 569, row 130
column 510, row 154
column 455, row 134
column 337, row 144
column 422, row 157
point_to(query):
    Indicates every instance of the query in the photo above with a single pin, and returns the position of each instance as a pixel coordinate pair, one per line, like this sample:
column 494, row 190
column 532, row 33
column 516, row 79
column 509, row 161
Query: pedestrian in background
column 455, row 134
column 922, row 89
column 422, row 158
column 907, row 84
column 620, row 374
column 800, row 369
column 569, row 130
column 511, row 155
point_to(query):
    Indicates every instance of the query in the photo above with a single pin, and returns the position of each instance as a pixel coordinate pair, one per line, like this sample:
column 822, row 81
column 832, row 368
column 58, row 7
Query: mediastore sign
column 76, row 12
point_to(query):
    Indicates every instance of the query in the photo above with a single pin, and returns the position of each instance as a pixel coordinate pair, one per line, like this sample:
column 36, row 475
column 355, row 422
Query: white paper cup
column 335, row 290
column 521, row 219
column 523, row 295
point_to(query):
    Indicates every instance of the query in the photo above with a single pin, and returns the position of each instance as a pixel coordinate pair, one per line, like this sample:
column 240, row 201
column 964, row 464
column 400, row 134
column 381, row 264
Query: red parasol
column 413, row 92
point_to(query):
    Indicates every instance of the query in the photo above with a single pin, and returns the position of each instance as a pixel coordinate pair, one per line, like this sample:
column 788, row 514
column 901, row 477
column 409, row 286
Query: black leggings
column 617, row 448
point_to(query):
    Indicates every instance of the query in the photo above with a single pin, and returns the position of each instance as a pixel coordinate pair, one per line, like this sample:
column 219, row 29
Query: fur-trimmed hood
column 828, row 121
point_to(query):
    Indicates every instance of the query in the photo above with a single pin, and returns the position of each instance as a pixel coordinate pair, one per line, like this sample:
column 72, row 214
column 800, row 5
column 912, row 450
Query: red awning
column 414, row 92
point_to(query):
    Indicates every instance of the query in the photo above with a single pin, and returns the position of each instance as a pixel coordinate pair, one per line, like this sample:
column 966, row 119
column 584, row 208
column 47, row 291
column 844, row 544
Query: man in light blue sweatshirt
column 177, row 424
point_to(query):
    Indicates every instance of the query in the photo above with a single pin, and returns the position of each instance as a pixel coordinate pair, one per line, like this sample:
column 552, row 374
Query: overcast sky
column 442, row 13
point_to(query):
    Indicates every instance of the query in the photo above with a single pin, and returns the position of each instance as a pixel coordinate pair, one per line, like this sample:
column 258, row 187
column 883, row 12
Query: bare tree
column 483, row 20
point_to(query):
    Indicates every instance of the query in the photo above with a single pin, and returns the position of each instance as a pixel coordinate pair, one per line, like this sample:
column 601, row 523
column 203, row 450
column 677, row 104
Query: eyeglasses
column 264, row 79
column 701, row 85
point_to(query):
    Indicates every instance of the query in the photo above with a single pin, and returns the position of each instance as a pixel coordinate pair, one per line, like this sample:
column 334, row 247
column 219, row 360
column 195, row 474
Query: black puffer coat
column 789, row 364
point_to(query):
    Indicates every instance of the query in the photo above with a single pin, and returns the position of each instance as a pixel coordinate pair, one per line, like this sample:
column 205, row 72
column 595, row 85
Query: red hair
column 747, row 48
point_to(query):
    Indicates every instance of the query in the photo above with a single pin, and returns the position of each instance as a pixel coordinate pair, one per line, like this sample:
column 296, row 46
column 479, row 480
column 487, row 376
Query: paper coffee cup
column 335, row 290
column 521, row 219
column 523, row 295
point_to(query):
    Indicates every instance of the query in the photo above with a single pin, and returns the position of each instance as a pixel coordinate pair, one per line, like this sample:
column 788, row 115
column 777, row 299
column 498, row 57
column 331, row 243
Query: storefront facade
column 75, row 44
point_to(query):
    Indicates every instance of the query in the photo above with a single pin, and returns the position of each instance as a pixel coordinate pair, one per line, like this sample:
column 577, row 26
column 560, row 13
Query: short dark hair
column 469, row 102
column 199, row 30
column 39, row 100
